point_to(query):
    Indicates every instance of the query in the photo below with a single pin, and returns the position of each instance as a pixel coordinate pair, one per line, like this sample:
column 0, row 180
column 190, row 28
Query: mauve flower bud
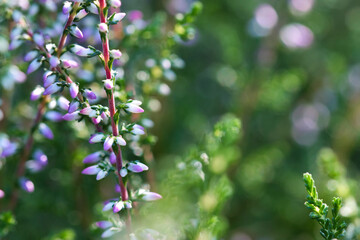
column 39, row 39
column 115, row 53
column 123, row 172
column 71, row 116
column 89, row 94
column 46, row 131
column 118, row 206
column 101, row 174
column 54, row 116
column 54, row 61
column 120, row 141
column 108, row 143
column 96, row 138
column 108, row 205
column 53, row 88
column 50, row 79
column 105, row 116
column 103, row 224
column 115, row 3
column 75, row 31
column 93, row 170
column 74, row 90
column 66, row 8
column 97, row 120
column 134, row 107
column 34, row 65
column 30, row 55
column 63, row 103
column 109, row 232
column 103, row 27
column 138, row 130
column 2, row 194
column 40, row 157
column 93, row 8
column 26, row 185
column 112, row 158
column 73, row 106
column 68, row 63
column 92, row 158
column 36, row 93
column 81, row 14
column 151, row 196
column 134, row 168
column 108, row 84
column 118, row 17
column 143, row 166
column 81, row 51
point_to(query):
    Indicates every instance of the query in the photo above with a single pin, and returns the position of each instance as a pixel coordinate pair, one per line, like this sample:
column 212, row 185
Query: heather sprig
column 331, row 228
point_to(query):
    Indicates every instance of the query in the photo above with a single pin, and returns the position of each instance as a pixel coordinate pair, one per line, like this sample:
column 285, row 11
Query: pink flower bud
column 118, row 17
column 103, row 27
column 74, row 90
column 118, row 206
column 89, row 94
column 75, row 31
column 71, row 116
column 40, row 157
column 54, row 61
column 108, row 84
column 101, row 174
column 151, row 196
column 108, row 143
column 93, row 170
column 26, row 185
column 112, row 158
column 115, row 3
column 38, row 39
column 133, row 167
column 2, row 194
column 36, row 93
column 138, row 130
column 30, row 55
column 115, row 53
column 96, row 138
column 53, row 88
column 68, row 63
column 93, row 8
column 74, row 105
column 97, row 120
column 46, row 131
column 49, row 79
column 81, row 51
column 134, row 107
column 81, row 14
column 63, row 103
column 93, row 158
column 108, row 205
column 34, row 65
column 103, row 224
column 66, row 8
column 54, row 116
column 120, row 141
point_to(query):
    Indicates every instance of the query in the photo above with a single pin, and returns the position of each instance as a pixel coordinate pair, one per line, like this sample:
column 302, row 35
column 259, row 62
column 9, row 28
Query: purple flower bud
column 123, row 172
column 115, row 53
column 54, row 61
column 128, row 205
column 109, row 232
column 143, row 166
column 108, row 84
column 134, row 168
column 68, row 63
column 138, row 130
column 49, row 79
column 40, row 157
column 63, row 103
column 39, row 39
column 2, row 194
column 31, row 55
column 117, row 188
column 134, row 107
column 86, row 111
column 92, row 158
column 81, row 14
column 8, row 148
column 66, row 8
column 54, row 116
column 36, row 93
column 89, row 94
column 115, row 3
column 118, row 206
column 74, row 90
column 93, row 170
column 103, row 27
column 112, row 158
column 151, row 196
column 75, row 31
column 53, row 88
column 120, row 141
column 97, row 120
column 81, row 51
column 108, row 143
column 104, row 224
column 118, row 17
column 108, row 205
column 74, row 105
column 105, row 116
column 71, row 116
column 101, row 174
column 34, row 65
column 26, row 185
column 46, row 131
column 96, row 138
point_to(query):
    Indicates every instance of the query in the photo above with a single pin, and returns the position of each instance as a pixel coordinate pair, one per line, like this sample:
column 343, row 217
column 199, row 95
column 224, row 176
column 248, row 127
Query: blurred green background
column 289, row 70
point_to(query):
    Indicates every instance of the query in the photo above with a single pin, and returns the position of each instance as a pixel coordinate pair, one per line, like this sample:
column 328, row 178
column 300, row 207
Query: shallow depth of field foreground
column 179, row 119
